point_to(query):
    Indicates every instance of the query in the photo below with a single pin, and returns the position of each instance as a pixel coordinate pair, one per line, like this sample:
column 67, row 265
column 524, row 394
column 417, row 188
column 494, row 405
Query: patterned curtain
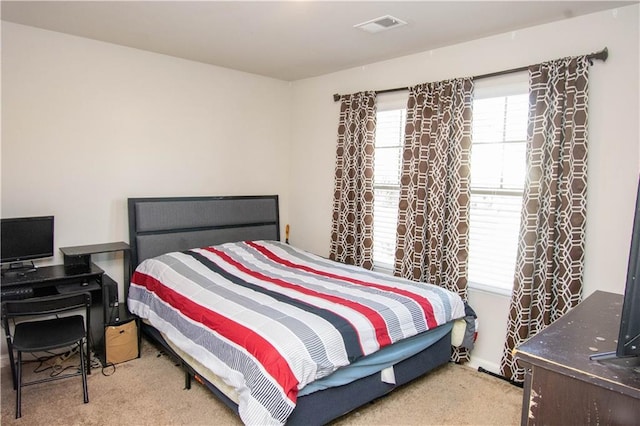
column 548, row 276
column 352, row 224
column 433, row 216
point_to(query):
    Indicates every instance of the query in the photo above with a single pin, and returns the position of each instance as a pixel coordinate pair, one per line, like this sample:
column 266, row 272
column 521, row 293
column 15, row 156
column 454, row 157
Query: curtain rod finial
column 336, row 97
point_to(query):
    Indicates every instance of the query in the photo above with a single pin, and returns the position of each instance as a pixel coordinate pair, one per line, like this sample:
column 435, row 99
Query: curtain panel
column 433, row 225
column 550, row 259
column 352, row 220
column 433, row 216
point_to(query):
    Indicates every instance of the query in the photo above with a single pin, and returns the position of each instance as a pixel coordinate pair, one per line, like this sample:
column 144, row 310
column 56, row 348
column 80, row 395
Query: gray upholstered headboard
column 162, row 225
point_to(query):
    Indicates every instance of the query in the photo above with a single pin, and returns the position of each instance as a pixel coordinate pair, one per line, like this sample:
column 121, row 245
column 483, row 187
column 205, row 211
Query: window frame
column 390, row 102
column 512, row 84
column 506, row 85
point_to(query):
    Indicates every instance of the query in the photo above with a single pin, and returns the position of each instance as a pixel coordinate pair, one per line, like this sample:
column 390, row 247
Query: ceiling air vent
column 380, row 24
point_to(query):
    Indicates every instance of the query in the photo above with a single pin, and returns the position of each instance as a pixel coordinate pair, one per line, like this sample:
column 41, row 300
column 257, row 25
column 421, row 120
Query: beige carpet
column 149, row 391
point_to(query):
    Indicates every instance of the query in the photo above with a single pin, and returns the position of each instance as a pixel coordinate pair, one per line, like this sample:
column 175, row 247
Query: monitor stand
column 632, row 362
column 18, row 268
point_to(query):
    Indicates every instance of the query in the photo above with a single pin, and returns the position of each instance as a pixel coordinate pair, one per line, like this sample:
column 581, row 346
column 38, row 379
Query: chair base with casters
column 34, row 334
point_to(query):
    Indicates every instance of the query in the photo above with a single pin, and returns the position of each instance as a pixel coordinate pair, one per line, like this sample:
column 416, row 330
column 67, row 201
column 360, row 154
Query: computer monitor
column 25, row 239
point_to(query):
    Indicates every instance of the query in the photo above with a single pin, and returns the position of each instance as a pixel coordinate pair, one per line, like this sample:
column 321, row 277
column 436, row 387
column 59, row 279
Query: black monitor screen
column 629, row 336
column 26, row 238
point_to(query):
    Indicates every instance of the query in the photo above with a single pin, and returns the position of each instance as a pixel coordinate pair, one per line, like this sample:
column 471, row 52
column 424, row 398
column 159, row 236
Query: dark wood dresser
column 563, row 386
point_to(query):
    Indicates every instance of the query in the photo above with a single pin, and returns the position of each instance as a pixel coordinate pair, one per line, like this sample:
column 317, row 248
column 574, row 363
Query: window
column 390, row 121
column 497, row 180
column 497, row 184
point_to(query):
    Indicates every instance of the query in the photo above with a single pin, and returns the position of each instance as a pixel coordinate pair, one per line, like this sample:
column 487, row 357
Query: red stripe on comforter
column 267, row 355
column 423, row 302
column 382, row 334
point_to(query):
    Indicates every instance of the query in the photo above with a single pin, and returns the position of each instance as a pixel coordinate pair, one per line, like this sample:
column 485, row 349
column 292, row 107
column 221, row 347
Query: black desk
column 79, row 257
column 57, row 279
column 45, row 278
column 563, row 386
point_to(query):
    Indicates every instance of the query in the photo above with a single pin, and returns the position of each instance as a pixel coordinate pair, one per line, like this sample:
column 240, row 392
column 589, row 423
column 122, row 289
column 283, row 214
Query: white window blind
column 497, row 183
column 389, row 141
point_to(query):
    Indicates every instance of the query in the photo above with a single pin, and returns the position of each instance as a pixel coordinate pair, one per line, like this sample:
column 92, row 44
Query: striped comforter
column 269, row 318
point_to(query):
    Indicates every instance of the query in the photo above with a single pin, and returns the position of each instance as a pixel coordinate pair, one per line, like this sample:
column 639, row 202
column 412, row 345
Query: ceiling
column 289, row 40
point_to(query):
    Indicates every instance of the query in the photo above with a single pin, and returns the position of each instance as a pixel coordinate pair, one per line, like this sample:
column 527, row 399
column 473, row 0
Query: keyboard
column 16, row 293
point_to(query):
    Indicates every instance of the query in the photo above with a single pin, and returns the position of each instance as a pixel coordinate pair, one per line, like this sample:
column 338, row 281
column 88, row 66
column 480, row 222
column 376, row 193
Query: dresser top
column 588, row 329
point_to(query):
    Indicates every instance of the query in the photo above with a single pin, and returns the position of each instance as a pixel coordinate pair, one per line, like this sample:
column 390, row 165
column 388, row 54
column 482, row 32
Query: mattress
column 270, row 319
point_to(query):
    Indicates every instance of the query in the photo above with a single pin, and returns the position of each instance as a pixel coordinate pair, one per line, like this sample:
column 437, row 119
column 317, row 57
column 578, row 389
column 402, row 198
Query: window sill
column 485, row 288
column 383, row 269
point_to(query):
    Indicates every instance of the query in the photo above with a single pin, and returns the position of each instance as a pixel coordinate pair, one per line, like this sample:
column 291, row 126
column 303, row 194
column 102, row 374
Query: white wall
column 614, row 142
column 86, row 124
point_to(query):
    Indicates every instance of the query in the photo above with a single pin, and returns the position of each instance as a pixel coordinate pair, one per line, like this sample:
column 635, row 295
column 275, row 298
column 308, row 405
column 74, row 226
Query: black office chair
column 35, row 334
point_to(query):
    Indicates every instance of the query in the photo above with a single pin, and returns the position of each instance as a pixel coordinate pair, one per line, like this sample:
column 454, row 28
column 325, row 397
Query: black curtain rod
column 601, row 55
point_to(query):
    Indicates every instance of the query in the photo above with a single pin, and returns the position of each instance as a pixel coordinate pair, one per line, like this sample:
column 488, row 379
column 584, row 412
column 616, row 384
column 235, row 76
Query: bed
column 278, row 334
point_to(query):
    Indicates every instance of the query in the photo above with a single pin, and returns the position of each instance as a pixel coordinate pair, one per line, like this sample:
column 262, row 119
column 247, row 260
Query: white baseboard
column 476, row 362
